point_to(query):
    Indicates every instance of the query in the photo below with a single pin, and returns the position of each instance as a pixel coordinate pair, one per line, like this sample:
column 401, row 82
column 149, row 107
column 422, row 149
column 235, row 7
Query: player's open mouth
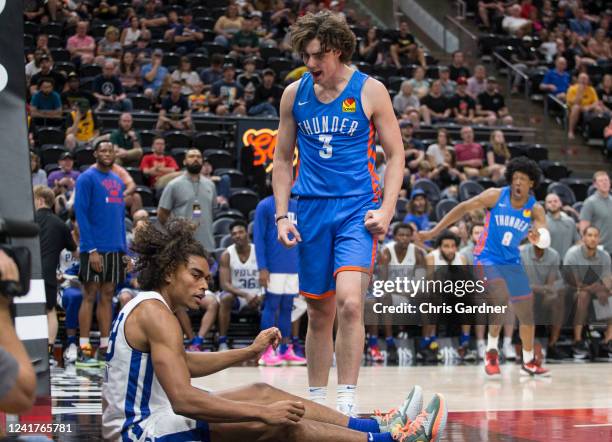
column 198, row 296
column 316, row 74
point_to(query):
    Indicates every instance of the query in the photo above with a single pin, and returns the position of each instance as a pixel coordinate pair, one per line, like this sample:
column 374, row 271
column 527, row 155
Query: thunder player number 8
column 507, row 239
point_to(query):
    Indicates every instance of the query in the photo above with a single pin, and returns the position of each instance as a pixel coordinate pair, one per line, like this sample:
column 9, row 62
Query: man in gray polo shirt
column 191, row 196
column 562, row 228
column 597, row 210
column 587, row 270
column 542, row 267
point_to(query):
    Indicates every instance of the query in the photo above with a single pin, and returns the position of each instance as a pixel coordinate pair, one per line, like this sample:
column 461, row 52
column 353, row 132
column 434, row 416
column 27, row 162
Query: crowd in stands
column 565, row 48
column 170, row 65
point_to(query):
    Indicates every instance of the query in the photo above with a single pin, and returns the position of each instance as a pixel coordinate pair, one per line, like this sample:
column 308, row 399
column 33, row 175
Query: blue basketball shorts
column 334, row 239
column 512, row 274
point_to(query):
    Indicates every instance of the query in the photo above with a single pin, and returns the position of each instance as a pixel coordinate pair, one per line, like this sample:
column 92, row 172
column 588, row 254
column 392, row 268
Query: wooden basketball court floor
column 575, row 404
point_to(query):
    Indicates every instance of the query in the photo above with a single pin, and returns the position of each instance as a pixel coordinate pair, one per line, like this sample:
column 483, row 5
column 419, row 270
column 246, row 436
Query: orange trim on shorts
column 352, row 269
column 324, row 295
column 374, row 249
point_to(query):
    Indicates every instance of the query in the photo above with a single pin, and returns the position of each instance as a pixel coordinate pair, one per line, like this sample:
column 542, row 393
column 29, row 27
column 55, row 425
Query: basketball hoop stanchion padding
column 16, row 203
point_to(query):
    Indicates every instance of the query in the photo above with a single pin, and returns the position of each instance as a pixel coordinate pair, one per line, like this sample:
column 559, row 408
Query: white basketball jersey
column 405, row 268
column 245, row 275
column 440, row 261
column 130, row 390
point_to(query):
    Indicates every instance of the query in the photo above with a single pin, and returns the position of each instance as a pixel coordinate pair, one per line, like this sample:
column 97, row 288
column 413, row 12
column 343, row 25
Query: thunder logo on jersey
column 328, row 125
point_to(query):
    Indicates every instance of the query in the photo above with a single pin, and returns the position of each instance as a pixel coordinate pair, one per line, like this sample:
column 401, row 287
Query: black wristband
column 278, row 218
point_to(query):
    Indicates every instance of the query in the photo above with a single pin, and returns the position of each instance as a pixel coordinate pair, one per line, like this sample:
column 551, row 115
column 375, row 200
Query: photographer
column 17, row 378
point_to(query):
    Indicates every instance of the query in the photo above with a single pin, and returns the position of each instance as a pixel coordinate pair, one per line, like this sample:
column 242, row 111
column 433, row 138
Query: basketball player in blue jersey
column 334, row 113
column 511, row 215
column 147, row 393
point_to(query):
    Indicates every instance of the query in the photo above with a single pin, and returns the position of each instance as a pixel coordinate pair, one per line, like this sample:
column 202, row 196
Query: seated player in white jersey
column 239, row 279
column 397, row 260
column 147, row 392
column 512, row 214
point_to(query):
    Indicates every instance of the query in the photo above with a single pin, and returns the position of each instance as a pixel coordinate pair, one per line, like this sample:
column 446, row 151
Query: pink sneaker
column 291, row 358
column 270, row 358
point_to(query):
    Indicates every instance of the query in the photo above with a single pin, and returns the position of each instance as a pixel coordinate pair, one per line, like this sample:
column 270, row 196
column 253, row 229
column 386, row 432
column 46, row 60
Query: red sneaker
column 492, row 364
column 534, row 368
column 375, row 354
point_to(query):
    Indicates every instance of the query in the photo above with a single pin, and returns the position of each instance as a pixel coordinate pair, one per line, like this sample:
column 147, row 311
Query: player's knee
column 349, row 310
column 262, row 390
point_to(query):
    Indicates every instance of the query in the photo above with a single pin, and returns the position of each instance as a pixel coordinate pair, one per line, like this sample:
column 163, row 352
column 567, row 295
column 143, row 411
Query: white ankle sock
column 317, row 394
column 345, row 394
column 83, row 341
column 507, row 340
column 527, row 356
column 104, row 342
column 492, row 342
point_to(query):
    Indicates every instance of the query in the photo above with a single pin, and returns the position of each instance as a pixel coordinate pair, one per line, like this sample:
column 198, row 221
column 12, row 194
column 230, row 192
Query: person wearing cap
column 491, row 105
column 81, row 46
column 74, row 95
column 64, row 178
column 267, row 96
column 418, row 209
column 187, row 36
column 226, row 95
column 249, row 77
column 245, row 42
column 154, row 74
column 449, row 86
column 463, row 106
column 151, row 18
column 47, row 71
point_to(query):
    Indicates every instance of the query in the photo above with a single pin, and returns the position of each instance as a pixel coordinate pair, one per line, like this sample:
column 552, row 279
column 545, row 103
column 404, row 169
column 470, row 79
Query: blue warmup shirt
column 100, row 211
column 337, row 154
column 271, row 254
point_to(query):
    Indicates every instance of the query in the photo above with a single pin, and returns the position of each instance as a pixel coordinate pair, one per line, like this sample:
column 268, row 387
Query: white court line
column 592, row 425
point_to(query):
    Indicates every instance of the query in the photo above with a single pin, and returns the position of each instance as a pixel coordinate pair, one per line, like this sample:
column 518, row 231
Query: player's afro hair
column 526, row 166
column 160, row 252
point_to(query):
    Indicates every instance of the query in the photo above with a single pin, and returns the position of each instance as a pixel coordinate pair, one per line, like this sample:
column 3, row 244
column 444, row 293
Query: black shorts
column 113, row 268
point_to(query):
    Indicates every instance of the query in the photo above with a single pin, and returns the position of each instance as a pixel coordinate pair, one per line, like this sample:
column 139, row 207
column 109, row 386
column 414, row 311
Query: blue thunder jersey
column 337, row 153
column 271, row 254
column 504, row 230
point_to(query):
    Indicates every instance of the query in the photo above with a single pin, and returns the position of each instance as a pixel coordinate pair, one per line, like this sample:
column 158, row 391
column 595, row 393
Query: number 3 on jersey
column 507, row 239
column 327, row 147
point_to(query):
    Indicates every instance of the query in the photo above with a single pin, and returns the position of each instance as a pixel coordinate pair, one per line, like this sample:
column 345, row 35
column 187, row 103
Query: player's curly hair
column 526, row 166
column 331, row 29
column 160, row 252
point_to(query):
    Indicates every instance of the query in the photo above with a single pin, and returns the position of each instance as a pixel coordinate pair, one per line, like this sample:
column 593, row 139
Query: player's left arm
column 204, row 364
column 377, row 104
column 538, row 216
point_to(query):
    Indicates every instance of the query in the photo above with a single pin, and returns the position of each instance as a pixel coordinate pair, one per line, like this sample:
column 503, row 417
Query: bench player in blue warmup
column 333, row 113
column 147, row 393
column 512, row 214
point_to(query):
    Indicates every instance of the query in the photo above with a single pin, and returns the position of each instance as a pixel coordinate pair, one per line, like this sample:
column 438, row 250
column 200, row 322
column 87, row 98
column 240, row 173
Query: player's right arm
column 225, row 278
column 165, row 341
column 282, row 170
column 485, row 200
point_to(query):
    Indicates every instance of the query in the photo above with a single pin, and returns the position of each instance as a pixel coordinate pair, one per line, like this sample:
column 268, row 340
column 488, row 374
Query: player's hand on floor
column 377, row 222
column 270, row 336
column 283, row 413
column 288, row 234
